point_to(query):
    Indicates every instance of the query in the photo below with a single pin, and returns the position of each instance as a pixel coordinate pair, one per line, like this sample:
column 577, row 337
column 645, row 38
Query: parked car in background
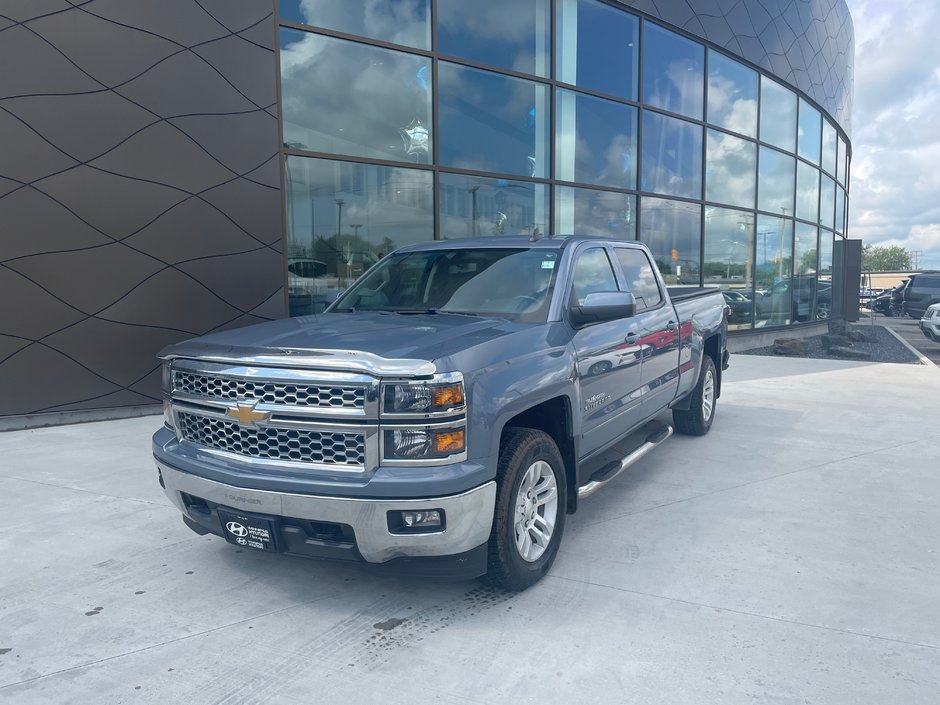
column 930, row 323
column 742, row 308
column 922, row 291
column 801, row 298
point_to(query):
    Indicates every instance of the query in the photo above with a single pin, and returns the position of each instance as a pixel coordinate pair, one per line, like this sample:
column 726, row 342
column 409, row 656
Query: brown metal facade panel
column 136, row 197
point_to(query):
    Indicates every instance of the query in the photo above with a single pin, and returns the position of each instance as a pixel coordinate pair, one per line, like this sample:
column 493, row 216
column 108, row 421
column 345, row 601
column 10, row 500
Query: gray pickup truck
column 447, row 412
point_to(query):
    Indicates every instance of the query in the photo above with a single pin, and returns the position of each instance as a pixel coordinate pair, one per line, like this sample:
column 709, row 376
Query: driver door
column 608, row 359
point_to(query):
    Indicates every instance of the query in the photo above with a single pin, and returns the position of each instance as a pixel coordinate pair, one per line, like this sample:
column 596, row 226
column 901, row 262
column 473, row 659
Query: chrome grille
column 322, row 396
column 347, row 449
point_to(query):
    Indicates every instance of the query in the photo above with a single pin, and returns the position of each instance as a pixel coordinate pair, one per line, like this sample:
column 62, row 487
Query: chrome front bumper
column 469, row 516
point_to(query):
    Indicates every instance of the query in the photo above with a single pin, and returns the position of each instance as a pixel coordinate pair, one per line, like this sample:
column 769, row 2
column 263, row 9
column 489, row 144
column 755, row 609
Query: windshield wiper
column 419, row 311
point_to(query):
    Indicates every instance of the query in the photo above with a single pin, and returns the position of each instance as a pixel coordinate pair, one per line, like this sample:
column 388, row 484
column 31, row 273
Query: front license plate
column 248, row 530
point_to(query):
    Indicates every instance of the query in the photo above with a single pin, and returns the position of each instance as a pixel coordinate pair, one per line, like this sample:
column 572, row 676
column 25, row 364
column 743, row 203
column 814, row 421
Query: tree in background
column 885, row 259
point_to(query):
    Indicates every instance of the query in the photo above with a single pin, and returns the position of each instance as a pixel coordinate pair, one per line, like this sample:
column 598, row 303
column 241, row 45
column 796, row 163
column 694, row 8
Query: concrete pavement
column 790, row 556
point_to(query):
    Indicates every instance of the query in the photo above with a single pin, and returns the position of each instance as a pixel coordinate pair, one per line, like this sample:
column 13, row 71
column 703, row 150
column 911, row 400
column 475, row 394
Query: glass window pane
column 673, row 232
column 473, row 206
column 639, row 277
column 730, row 170
column 828, row 148
column 597, row 47
column 344, row 217
column 595, row 140
column 593, row 273
column 672, row 156
column 840, row 162
column 490, row 122
column 673, row 72
column 840, row 209
column 777, row 115
column 805, row 254
column 729, row 253
column 775, row 183
column 774, row 252
column 807, row 192
column 331, row 87
column 827, row 202
column 732, row 95
column 810, row 132
column 824, row 276
column 581, row 211
column 405, row 22
column 511, row 35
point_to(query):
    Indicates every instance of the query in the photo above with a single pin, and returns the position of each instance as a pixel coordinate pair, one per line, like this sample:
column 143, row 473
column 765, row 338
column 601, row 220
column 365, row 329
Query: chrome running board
column 611, row 470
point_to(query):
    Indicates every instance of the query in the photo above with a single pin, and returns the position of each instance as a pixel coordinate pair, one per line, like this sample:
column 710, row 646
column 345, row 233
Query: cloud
column 895, row 189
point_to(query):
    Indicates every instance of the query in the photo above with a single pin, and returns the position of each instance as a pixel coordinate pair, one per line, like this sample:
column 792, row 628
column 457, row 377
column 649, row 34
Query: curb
column 924, row 360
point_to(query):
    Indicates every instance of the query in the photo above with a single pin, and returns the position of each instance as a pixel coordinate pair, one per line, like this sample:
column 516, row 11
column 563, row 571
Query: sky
column 895, row 177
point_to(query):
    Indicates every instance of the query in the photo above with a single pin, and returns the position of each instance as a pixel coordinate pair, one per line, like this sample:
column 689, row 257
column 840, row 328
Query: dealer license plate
column 248, row 530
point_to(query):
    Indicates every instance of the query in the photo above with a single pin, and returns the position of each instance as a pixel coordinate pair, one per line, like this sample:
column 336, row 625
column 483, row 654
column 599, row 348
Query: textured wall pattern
column 139, row 190
column 810, row 44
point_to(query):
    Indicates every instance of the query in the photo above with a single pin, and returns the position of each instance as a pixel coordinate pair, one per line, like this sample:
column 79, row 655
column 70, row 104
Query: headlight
column 423, row 398
column 424, row 443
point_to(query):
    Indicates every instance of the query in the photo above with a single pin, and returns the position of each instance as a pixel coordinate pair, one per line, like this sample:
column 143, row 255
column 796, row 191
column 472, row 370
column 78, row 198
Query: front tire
column 530, row 510
column 697, row 419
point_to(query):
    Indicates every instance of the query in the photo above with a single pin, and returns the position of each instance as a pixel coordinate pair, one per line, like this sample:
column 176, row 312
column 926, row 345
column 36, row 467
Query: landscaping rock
column 856, row 336
column 789, row 346
column 849, row 353
column 829, row 341
column 838, row 327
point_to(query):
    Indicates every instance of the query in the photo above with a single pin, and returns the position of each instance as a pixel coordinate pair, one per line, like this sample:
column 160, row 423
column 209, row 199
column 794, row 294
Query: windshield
column 510, row 283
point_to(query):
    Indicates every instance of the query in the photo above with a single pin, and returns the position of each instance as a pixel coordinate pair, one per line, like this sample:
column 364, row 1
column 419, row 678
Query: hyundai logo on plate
column 236, row 529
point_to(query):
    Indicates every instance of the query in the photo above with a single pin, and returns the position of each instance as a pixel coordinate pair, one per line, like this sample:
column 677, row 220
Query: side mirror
column 604, row 306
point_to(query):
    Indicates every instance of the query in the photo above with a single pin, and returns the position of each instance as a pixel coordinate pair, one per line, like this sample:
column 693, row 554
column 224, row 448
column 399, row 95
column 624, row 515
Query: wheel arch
column 554, row 417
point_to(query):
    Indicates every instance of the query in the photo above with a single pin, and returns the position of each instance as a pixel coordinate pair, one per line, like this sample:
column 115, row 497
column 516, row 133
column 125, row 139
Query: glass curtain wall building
column 410, row 120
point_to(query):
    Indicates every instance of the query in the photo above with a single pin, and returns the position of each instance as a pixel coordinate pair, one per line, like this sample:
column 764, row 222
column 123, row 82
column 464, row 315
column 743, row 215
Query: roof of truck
column 508, row 241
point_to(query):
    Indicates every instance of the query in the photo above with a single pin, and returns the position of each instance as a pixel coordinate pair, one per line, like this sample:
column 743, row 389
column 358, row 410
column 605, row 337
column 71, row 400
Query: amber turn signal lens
column 449, row 442
column 450, row 395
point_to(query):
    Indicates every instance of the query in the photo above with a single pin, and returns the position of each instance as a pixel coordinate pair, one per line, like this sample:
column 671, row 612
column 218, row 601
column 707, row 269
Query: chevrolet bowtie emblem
column 246, row 415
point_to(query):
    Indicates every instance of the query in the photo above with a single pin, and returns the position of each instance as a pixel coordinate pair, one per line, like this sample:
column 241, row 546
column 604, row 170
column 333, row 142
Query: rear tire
column 529, row 519
column 697, row 419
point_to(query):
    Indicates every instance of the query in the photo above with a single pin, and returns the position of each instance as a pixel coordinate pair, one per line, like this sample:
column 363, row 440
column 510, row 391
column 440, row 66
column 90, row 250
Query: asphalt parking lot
column 909, row 329
column 790, row 556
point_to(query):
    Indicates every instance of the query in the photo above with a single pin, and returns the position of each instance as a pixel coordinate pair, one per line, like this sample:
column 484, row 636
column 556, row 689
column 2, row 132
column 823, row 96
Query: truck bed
column 684, row 293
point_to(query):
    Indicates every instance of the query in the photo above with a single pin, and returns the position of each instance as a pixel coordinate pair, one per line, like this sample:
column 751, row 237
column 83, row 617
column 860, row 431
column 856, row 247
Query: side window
column 638, row 274
column 592, row 273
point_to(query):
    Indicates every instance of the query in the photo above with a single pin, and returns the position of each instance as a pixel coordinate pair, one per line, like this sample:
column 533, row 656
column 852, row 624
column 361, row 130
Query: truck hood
column 393, row 343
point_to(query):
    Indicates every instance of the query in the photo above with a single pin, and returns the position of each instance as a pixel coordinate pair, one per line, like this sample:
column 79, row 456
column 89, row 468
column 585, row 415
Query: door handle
column 630, row 339
column 671, row 325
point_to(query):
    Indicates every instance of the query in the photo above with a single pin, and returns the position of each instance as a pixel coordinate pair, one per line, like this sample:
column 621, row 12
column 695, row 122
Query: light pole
column 473, row 210
column 339, row 216
column 355, row 227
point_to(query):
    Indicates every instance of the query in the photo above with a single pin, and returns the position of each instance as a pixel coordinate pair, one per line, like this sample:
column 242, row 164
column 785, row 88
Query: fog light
column 416, row 521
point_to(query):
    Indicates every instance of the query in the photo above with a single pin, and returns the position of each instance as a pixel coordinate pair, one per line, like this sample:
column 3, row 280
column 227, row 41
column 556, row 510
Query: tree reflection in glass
column 343, row 217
